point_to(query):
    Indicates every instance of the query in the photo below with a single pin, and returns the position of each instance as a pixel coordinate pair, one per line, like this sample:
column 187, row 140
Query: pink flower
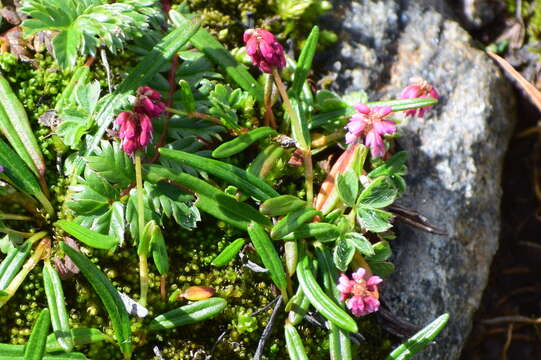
column 370, row 124
column 148, row 101
column 363, row 293
column 264, row 50
column 418, row 88
column 135, row 131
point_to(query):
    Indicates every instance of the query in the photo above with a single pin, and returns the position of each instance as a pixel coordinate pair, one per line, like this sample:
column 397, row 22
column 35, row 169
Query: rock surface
column 456, row 152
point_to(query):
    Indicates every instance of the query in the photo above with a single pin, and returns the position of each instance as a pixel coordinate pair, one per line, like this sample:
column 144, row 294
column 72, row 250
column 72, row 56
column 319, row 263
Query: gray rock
column 456, row 153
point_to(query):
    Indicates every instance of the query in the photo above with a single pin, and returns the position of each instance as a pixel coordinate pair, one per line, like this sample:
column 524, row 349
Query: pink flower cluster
column 370, row 124
column 362, row 293
column 136, row 127
column 264, row 50
column 418, row 88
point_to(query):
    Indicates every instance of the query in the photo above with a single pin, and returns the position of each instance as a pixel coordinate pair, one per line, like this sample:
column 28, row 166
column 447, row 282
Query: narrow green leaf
column 268, row 254
column 241, row 142
column 378, row 194
column 35, row 348
column 299, row 127
column 281, row 205
column 298, row 307
column 405, row 104
column 343, row 254
column 228, row 253
column 12, row 263
column 420, row 340
column 266, row 161
column 187, row 98
column 17, row 171
column 210, row 199
column 361, row 243
column 87, row 236
column 57, row 306
column 294, row 345
column 323, row 303
column 339, row 343
column 16, row 128
column 248, row 183
column 323, row 232
column 292, row 222
column 188, row 314
column 205, row 42
column 304, row 64
column 80, row 336
column 109, row 297
column 159, row 251
column 348, row 187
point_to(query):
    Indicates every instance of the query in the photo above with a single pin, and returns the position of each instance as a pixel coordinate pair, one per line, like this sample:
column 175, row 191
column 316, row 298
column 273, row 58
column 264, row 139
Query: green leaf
column 343, row 254
column 327, row 101
column 18, row 174
column 361, row 243
column 323, row 232
column 233, row 175
column 145, row 70
column 73, row 127
column 374, row 220
column 168, row 200
column 396, row 165
column 85, row 25
column 80, row 336
column 292, row 222
column 420, row 340
column 210, row 199
column 292, row 9
column 228, row 253
column 378, row 194
column 225, row 105
column 65, row 46
column 8, row 243
column 110, row 162
column 268, row 163
column 188, row 314
column 348, row 187
column 143, row 248
column 109, row 297
column 339, row 343
column 297, row 306
column 108, row 221
column 159, row 251
column 15, row 126
column 405, row 104
column 12, row 263
column 78, row 79
column 205, row 42
column 304, row 64
column 241, row 142
column 268, row 254
column 382, row 251
column 57, row 307
column 281, row 205
column 93, row 194
column 87, row 236
column 132, row 216
column 321, row 302
column 35, row 348
column 294, row 345
column 187, row 98
column 381, row 268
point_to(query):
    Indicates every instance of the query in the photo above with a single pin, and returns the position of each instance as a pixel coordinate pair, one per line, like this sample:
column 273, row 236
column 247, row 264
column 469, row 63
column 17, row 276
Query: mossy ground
column 37, row 85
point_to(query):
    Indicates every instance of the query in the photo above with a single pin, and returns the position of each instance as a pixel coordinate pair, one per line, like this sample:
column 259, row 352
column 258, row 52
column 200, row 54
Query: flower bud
column 418, row 88
column 264, row 50
column 149, row 102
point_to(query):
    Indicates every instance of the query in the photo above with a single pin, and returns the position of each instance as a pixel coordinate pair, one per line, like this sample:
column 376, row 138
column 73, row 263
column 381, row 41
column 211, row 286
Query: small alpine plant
column 302, row 178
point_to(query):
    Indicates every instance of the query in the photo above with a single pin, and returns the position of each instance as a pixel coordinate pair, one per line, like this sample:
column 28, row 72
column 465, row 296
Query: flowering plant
column 191, row 137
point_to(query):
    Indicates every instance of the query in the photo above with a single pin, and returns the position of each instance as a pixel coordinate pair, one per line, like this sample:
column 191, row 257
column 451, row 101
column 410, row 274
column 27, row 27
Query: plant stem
column 45, row 202
column 195, row 114
column 40, row 252
column 269, row 115
column 15, row 232
column 15, row 217
column 143, row 264
column 296, row 127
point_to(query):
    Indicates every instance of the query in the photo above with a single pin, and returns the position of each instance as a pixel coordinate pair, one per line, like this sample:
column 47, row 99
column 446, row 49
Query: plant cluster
column 189, row 134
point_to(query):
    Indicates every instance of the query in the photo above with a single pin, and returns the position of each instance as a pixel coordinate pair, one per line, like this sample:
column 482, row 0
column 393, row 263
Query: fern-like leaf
column 83, row 25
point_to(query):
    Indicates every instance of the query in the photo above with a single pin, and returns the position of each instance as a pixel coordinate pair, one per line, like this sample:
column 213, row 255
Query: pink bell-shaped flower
column 264, row 50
